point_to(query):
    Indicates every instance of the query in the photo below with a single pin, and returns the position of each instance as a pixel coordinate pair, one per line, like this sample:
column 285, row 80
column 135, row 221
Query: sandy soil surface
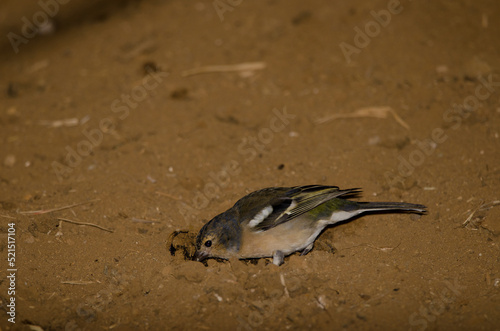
column 109, row 134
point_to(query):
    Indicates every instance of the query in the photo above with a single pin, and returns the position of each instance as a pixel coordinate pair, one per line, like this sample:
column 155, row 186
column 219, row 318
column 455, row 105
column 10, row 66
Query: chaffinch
column 278, row 221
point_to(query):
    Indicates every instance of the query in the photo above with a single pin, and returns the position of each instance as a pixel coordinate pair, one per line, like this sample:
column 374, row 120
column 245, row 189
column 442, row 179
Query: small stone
column 442, row 69
column 29, row 239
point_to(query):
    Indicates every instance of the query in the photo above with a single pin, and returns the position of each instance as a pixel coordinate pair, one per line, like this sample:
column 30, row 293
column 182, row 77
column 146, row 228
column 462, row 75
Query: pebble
column 29, row 239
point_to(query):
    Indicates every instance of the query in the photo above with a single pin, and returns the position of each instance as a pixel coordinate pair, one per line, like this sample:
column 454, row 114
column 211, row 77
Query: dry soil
column 126, row 153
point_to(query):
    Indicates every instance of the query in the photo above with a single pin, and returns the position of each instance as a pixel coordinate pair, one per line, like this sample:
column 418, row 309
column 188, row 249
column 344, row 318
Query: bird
column 279, row 221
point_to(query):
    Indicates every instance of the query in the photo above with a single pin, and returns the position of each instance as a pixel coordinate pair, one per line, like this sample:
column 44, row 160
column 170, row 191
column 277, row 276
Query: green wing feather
column 287, row 203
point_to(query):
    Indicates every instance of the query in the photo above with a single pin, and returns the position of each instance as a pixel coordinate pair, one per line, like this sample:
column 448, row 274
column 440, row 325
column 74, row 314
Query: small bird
column 278, row 221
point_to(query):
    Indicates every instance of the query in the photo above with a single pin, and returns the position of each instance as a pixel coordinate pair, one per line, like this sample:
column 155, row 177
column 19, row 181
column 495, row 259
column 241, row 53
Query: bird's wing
column 268, row 208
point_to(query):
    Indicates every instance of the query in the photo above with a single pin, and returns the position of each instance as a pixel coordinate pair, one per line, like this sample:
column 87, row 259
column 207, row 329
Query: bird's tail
column 389, row 206
column 346, row 209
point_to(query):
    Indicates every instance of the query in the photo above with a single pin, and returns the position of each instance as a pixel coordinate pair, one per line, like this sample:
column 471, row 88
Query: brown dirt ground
column 152, row 151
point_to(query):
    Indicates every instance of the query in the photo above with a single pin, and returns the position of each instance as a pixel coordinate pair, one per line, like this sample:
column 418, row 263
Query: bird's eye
column 208, row 243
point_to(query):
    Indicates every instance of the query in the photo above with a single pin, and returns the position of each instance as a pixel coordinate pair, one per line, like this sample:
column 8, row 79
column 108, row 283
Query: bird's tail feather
column 388, row 206
column 348, row 209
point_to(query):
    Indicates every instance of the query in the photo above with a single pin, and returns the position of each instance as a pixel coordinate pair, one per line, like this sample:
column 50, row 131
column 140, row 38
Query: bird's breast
column 288, row 237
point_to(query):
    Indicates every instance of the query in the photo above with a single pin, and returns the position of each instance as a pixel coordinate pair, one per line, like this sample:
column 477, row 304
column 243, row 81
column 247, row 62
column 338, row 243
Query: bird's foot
column 307, row 249
column 278, row 258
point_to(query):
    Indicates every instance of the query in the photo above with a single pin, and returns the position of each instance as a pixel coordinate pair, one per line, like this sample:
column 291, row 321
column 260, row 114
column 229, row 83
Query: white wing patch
column 291, row 207
column 261, row 215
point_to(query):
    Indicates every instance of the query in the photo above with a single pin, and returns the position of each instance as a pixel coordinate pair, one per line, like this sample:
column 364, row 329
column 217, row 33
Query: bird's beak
column 200, row 256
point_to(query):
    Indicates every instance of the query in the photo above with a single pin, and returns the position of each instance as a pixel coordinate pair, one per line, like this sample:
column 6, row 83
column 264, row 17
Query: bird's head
column 220, row 238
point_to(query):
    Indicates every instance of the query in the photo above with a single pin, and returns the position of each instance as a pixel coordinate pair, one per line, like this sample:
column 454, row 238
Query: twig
column 77, row 282
column 168, row 195
column 249, row 66
column 482, row 207
column 39, row 212
column 7, row 216
column 321, row 304
column 33, row 327
column 399, row 119
column 468, row 219
column 383, row 249
column 376, row 112
column 59, row 123
column 85, row 223
column 59, row 229
column 282, row 279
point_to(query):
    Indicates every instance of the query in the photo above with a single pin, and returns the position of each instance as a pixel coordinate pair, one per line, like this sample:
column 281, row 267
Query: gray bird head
column 219, row 238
